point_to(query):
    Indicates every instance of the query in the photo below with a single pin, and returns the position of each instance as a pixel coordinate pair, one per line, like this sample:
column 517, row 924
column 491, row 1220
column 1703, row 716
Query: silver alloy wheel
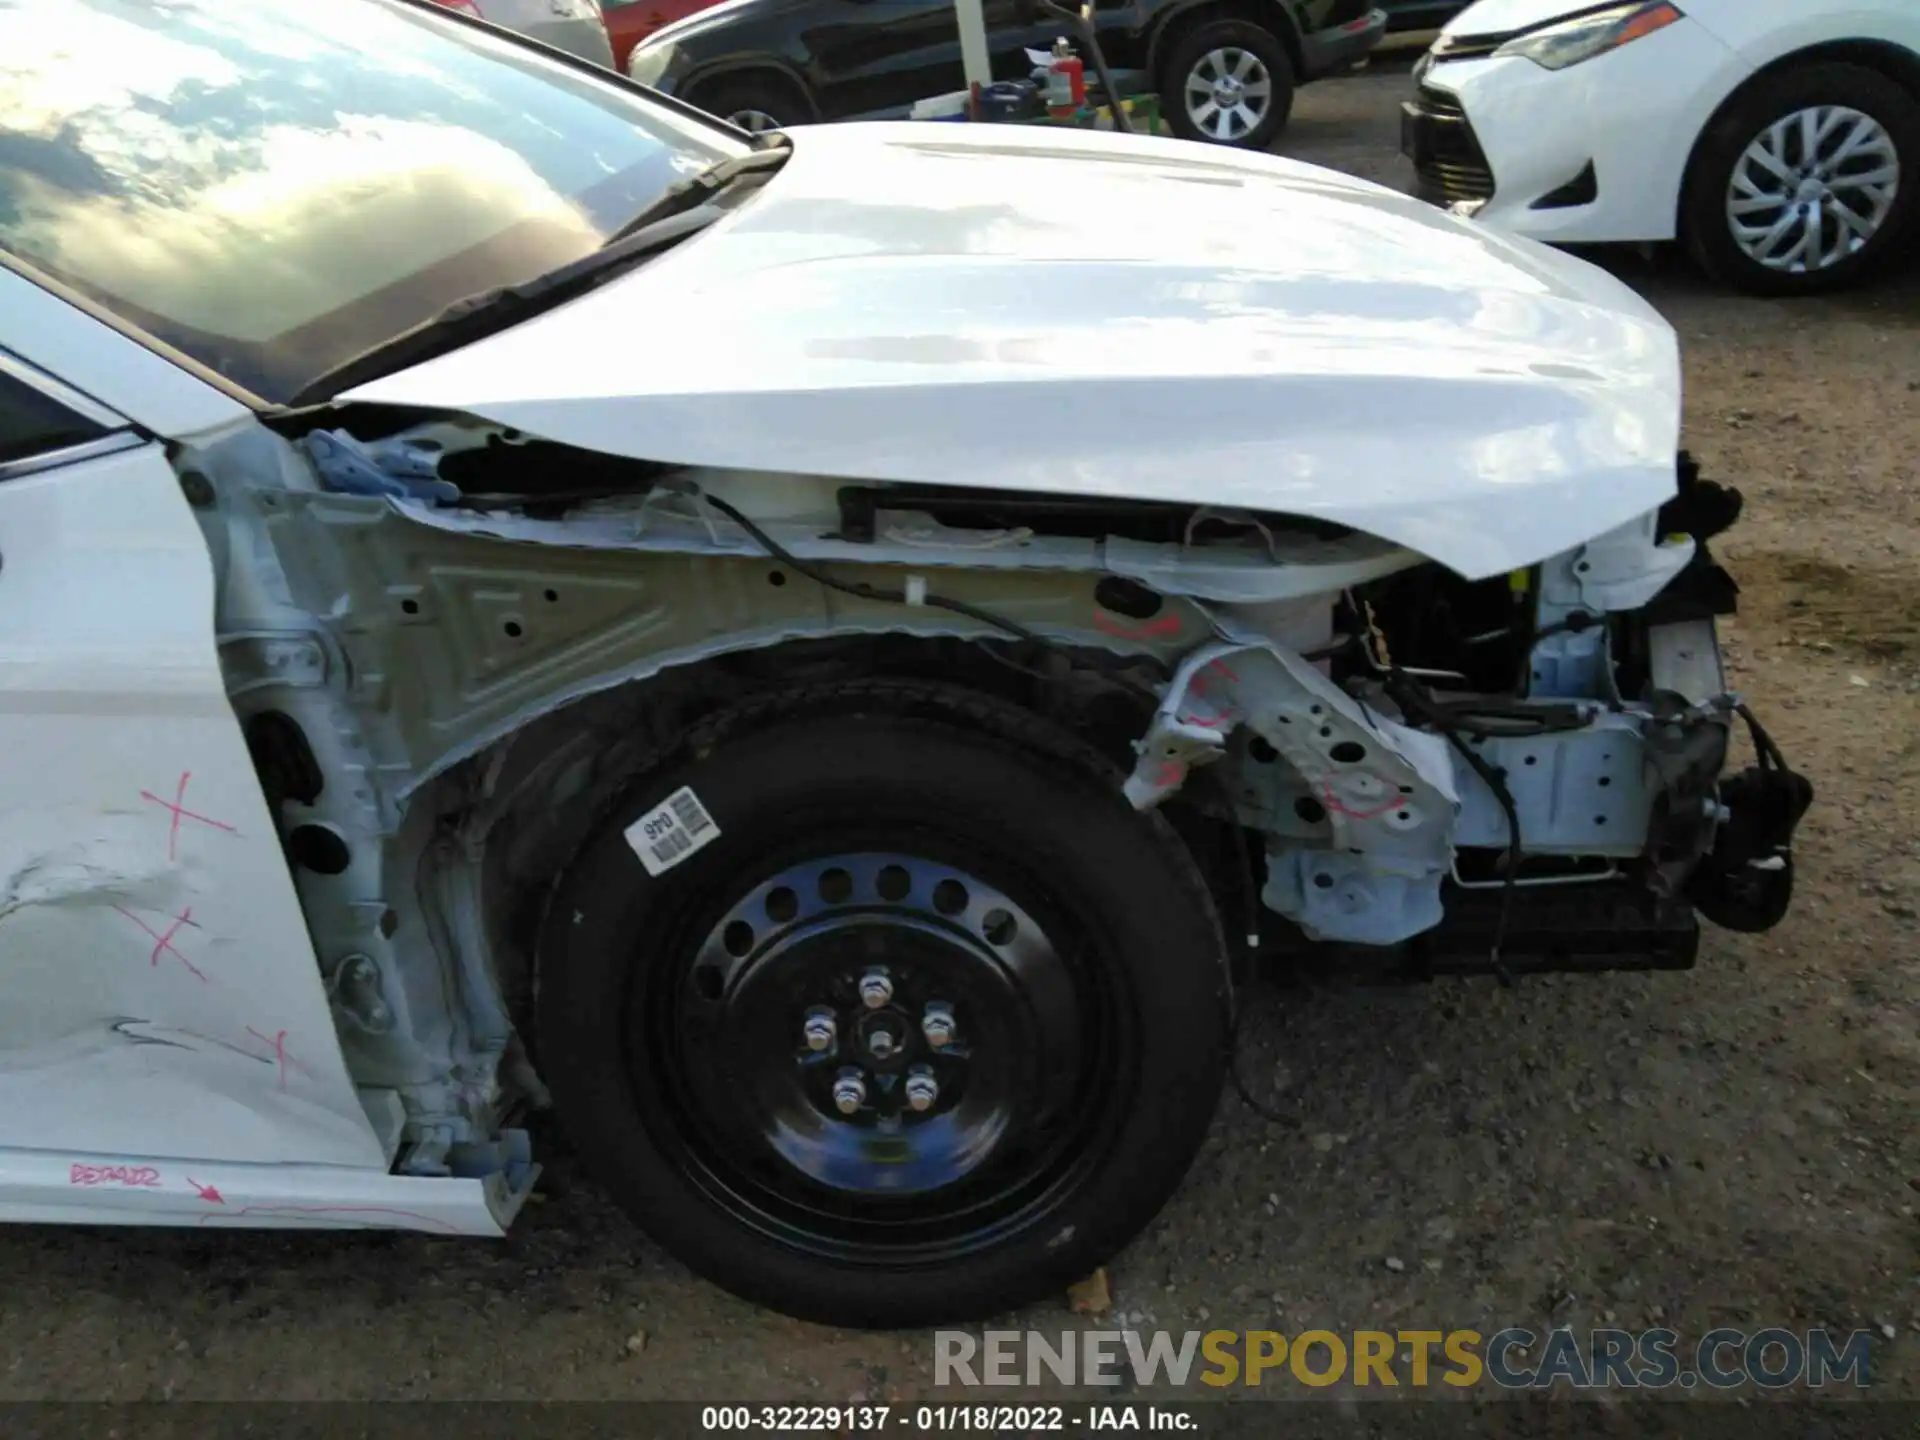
column 1228, row 93
column 757, row 122
column 1813, row 189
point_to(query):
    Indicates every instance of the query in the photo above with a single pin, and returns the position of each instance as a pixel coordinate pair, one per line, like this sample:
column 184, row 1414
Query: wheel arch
column 1182, row 19
column 1896, row 62
column 752, row 67
column 548, row 782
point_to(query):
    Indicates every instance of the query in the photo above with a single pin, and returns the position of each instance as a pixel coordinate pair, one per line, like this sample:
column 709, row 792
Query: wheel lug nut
column 937, row 1025
column 849, row 1092
column 875, row 989
column 820, row 1030
column 922, row 1088
column 881, row 1044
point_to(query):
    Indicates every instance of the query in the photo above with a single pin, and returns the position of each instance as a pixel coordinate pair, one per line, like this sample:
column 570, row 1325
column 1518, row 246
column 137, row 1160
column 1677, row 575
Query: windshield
column 273, row 186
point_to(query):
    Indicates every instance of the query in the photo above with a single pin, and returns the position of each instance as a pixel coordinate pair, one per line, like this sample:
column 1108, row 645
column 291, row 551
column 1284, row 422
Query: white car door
column 162, row 1003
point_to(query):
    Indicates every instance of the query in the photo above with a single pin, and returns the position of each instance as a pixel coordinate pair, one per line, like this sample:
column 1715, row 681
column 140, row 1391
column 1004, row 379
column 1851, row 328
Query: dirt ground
column 1731, row 1146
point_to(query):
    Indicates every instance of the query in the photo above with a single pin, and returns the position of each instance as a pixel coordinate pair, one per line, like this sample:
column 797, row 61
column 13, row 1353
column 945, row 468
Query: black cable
column 862, row 591
column 1412, row 698
column 1764, row 748
column 1250, row 917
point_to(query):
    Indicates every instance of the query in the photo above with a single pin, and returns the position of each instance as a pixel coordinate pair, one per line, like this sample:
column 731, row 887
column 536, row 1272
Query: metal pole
column 973, row 42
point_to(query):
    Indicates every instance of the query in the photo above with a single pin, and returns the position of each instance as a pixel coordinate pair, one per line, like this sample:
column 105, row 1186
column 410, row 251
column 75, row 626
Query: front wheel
column 1807, row 181
column 1229, row 83
column 752, row 103
column 918, row 1021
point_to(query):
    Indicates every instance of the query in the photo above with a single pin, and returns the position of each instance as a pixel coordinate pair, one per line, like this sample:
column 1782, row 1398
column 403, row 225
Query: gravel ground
column 1731, row 1146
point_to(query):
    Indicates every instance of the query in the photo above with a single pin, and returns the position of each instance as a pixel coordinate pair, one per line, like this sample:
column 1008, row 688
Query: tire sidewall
column 724, row 98
column 1238, row 34
column 1704, row 219
column 1156, row 934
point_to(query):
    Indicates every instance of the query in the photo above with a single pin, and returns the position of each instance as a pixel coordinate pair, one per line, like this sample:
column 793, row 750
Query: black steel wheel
column 930, row 1026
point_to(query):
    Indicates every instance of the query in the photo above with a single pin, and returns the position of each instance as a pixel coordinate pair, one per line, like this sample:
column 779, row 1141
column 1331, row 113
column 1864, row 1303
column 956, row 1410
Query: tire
column 756, row 104
column 1080, row 955
column 1223, row 49
column 1722, row 174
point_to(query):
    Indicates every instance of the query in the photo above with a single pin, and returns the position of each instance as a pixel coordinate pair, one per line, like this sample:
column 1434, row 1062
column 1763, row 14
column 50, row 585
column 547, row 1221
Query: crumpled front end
column 1578, row 819
column 1417, row 772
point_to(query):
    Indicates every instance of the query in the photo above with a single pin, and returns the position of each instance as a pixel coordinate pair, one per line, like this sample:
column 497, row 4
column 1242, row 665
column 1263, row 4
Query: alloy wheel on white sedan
column 1807, row 179
column 1813, row 189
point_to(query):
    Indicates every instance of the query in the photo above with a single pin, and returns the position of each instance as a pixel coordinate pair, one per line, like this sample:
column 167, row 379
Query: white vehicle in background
column 819, row 658
column 578, row 27
column 1779, row 140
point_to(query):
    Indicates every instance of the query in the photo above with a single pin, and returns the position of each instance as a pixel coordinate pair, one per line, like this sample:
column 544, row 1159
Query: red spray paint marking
column 206, row 1192
column 163, row 944
column 429, row 1222
column 132, row 1177
column 281, row 1059
column 181, row 813
column 1166, row 626
column 1197, row 688
column 1334, row 803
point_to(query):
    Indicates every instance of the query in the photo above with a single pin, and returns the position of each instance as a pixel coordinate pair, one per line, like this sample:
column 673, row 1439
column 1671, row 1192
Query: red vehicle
column 631, row 21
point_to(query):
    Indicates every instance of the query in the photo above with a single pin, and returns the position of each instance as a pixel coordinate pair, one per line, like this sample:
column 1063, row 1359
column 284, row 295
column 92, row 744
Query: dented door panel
column 162, row 995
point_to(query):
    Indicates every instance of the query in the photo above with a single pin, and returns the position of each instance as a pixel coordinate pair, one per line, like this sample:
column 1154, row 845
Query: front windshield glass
column 273, row 186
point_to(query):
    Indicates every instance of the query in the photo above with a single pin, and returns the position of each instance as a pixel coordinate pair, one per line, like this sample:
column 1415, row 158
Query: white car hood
column 1036, row 310
column 1502, row 17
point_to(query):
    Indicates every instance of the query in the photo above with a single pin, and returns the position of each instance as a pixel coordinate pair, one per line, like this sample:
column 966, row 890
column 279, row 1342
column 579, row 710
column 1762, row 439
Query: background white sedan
column 1778, row 139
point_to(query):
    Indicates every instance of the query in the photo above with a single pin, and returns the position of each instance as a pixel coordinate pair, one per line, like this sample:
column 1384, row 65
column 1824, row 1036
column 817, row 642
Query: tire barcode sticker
column 671, row 831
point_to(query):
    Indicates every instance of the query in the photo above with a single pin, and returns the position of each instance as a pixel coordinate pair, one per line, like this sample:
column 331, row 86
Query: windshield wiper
column 682, row 209
column 698, row 189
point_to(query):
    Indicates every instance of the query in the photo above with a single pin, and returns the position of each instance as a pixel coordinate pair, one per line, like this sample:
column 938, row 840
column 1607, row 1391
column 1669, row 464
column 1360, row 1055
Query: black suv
column 1225, row 69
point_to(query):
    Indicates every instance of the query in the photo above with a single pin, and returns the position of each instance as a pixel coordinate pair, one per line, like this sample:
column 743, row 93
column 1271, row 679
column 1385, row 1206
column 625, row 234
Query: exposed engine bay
column 1415, row 773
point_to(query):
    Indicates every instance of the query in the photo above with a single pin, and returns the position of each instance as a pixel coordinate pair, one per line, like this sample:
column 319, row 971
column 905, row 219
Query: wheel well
column 1267, row 14
column 1895, row 62
column 549, row 781
column 771, row 75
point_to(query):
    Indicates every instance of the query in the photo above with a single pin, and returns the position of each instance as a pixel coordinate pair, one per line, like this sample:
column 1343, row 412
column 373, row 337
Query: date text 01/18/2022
column 988, row 1419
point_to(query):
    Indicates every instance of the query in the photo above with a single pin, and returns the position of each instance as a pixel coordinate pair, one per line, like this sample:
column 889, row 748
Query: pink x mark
column 180, row 812
column 163, row 944
column 281, row 1060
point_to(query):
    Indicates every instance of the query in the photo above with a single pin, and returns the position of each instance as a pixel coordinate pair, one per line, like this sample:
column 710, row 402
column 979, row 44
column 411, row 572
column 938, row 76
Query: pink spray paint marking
column 163, row 943
column 129, row 1177
column 281, row 1059
column 1166, row 627
column 1197, row 689
column 206, row 1192
column 180, row 812
column 1339, row 807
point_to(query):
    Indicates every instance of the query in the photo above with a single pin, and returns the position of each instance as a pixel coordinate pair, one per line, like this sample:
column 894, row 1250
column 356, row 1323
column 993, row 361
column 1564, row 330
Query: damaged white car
column 820, row 659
